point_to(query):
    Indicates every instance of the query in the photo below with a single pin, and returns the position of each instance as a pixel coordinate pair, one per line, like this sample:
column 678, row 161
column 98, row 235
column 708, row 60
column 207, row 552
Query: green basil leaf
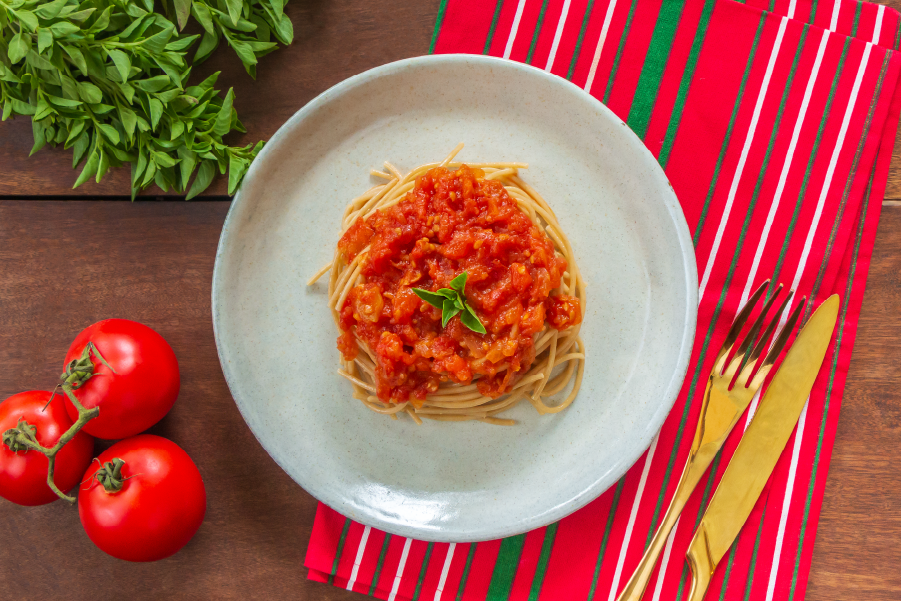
column 156, row 111
column 109, row 132
column 284, row 30
column 187, row 164
column 176, row 128
column 263, row 33
column 19, row 46
column 39, row 62
column 79, row 148
column 89, row 92
column 103, row 165
column 471, row 321
column 203, row 16
column 102, row 21
column 63, row 102
column 234, row 9
column 7, row 75
column 148, row 174
column 136, row 29
column 277, row 8
column 27, row 18
column 236, row 169
column 75, row 131
column 459, row 282
column 81, row 15
column 152, row 84
column 50, row 10
column 90, row 168
column 163, row 160
column 122, row 62
column 63, row 28
column 182, row 12
column 448, row 312
column 224, row 118
column 129, row 121
column 203, row 179
column 102, row 109
column 161, row 180
column 137, row 169
column 43, row 110
column 182, row 43
column 69, row 86
column 45, row 39
column 432, row 298
column 37, row 131
column 128, row 92
column 156, row 44
column 243, row 50
column 77, row 58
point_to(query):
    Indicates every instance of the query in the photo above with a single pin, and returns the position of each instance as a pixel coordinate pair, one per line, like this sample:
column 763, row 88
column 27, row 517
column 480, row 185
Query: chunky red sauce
column 452, row 221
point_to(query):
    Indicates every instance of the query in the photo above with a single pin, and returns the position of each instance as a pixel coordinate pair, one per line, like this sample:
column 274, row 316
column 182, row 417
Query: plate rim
column 616, row 470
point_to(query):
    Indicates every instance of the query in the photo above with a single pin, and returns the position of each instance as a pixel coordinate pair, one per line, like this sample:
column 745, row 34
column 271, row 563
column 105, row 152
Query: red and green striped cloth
column 775, row 122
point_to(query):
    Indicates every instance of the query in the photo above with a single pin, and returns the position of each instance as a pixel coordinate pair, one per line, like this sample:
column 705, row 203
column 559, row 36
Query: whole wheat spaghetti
column 524, row 285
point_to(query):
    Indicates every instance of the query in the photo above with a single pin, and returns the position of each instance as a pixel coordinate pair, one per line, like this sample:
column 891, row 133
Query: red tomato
column 145, row 384
column 158, row 509
column 23, row 475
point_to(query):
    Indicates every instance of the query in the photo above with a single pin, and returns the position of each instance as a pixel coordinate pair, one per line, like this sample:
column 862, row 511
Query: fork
column 721, row 408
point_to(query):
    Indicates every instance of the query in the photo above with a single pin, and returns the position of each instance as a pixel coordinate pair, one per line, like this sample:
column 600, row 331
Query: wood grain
column 69, row 264
column 333, row 40
column 856, row 555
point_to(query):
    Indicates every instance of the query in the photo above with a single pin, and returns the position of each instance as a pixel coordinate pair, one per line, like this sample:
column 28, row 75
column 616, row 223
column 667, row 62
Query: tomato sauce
column 451, row 222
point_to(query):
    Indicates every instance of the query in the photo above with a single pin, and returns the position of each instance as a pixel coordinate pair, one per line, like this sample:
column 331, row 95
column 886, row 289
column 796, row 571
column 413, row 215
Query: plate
column 454, row 482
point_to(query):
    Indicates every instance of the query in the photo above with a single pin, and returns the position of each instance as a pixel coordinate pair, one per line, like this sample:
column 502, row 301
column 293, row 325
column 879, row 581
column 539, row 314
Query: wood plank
column 856, row 552
column 333, row 40
column 69, row 264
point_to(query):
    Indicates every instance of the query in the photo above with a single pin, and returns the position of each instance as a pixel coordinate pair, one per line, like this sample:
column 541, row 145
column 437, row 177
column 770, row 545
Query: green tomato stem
column 23, row 436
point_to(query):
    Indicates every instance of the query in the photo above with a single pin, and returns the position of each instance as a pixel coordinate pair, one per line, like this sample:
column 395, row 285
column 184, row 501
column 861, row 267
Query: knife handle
column 701, row 564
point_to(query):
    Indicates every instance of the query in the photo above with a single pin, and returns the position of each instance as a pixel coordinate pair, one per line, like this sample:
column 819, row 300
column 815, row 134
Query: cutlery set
column 735, row 380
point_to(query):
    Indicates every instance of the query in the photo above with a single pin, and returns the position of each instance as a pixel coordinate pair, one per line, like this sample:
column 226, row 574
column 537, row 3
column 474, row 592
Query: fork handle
column 695, row 467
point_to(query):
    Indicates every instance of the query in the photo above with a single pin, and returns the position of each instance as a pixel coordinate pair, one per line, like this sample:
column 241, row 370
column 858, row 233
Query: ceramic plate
column 454, row 481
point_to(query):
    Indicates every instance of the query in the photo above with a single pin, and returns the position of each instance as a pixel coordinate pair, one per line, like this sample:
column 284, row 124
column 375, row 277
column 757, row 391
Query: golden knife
column 760, row 447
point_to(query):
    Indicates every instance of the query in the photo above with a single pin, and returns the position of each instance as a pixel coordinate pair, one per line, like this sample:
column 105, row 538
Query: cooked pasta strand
column 453, row 402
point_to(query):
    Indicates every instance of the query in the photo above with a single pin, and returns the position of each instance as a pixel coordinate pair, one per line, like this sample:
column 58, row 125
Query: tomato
column 142, row 389
column 23, row 474
column 159, row 507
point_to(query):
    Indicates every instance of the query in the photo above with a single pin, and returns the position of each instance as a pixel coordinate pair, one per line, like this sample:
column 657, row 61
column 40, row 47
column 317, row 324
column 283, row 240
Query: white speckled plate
column 454, row 481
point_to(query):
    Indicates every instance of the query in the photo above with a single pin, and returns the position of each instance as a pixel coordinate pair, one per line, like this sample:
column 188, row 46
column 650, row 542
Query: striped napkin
column 775, row 121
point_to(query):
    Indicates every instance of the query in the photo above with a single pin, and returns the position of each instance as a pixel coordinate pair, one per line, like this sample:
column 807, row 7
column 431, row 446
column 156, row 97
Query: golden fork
column 720, row 410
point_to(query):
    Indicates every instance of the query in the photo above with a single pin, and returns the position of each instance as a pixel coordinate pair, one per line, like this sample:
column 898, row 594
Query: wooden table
column 68, row 259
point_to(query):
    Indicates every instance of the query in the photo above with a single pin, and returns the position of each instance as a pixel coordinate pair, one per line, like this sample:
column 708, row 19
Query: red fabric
column 778, row 143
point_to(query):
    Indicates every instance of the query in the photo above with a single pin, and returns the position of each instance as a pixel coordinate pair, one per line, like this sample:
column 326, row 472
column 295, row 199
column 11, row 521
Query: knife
column 760, row 447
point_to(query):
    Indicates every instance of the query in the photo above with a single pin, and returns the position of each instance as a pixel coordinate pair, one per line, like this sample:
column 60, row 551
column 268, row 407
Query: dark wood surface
column 67, row 263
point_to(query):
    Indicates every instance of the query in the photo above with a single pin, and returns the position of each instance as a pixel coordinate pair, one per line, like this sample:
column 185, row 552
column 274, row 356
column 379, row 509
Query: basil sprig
column 452, row 302
column 109, row 79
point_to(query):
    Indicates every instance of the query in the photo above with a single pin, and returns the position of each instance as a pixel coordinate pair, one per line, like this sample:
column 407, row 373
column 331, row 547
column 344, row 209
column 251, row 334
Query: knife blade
column 760, row 447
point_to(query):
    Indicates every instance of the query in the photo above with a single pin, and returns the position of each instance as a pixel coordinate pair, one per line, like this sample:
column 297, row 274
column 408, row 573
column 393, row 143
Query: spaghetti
column 422, row 230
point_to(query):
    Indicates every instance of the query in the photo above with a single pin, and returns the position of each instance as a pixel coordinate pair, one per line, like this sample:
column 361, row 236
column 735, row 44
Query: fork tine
column 779, row 344
column 748, row 342
column 741, row 355
column 744, row 377
column 762, row 343
column 737, row 326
